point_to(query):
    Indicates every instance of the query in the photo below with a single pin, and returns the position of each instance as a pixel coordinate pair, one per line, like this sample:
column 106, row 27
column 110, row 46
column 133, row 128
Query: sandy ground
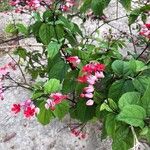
column 19, row 133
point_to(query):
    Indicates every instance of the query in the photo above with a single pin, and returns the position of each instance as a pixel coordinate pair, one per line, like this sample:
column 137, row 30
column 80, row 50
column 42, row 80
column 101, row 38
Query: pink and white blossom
column 90, row 102
column 74, row 60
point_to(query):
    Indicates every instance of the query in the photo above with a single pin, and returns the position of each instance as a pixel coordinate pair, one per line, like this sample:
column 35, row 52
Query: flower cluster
column 74, row 60
column 78, row 133
column 22, row 5
column 92, row 72
column 54, row 99
column 68, row 4
column 145, row 30
column 4, row 70
column 28, row 108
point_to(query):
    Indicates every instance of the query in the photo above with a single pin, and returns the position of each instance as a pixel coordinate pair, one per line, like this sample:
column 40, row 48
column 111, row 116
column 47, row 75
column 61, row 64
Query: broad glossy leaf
column 110, row 124
column 85, row 6
column 128, row 99
column 44, row 116
column 85, row 113
column 70, row 82
column 133, row 115
column 53, row 49
column 46, row 32
column 99, row 5
column 141, row 83
column 61, row 109
column 58, row 70
column 52, row 85
column 146, row 100
column 120, row 87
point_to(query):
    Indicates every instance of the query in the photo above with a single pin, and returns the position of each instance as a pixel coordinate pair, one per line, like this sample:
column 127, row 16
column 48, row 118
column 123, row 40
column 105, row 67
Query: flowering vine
column 92, row 72
column 66, row 72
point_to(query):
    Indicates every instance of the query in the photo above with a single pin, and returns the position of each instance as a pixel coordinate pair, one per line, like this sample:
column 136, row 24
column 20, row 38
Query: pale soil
column 19, row 133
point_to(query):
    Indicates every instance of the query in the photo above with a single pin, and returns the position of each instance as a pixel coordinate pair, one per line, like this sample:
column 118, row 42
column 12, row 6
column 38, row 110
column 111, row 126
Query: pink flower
column 29, row 112
column 26, row 103
column 83, row 136
column 16, row 108
column 55, row 98
column 82, row 79
column 91, row 79
column 93, row 67
column 68, row 4
column 50, row 104
column 89, row 89
column 58, row 97
column 99, row 67
column 89, row 68
column 65, row 8
column 74, row 60
column 90, row 102
column 145, row 30
column 99, row 74
column 88, row 95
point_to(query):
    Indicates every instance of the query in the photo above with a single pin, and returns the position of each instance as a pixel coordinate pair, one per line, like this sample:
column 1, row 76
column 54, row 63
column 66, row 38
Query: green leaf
column 71, row 38
column 36, row 27
column 85, row 6
column 61, row 109
column 84, row 112
column 36, row 16
column 120, row 87
column 133, row 16
column 129, row 98
column 22, row 28
column 76, row 29
column 66, row 22
column 127, row 68
column 126, row 4
column 70, row 82
column 106, row 107
column 140, row 66
column 136, row 12
column 44, row 116
column 21, row 52
column 146, row 100
column 141, row 83
column 52, row 85
column 99, row 5
column 133, row 115
column 48, row 16
column 123, row 138
column 46, row 32
column 59, row 30
column 110, row 124
column 58, row 70
column 144, row 131
column 11, row 28
column 53, row 49
column 84, row 55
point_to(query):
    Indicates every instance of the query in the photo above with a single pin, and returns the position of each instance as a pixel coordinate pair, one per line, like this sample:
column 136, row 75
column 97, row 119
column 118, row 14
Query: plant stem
column 147, row 46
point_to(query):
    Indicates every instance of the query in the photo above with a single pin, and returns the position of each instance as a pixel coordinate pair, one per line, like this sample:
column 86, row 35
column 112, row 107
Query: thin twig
column 132, row 39
column 18, row 67
column 15, row 46
column 147, row 46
